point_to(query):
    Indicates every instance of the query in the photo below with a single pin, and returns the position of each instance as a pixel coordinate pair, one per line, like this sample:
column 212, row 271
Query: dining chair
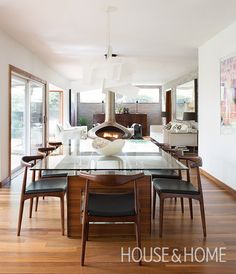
column 168, row 188
column 54, row 187
column 166, row 173
column 55, row 144
column 45, row 151
column 110, row 207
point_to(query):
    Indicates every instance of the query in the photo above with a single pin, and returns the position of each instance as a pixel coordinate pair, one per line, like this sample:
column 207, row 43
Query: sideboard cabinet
column 125, row 120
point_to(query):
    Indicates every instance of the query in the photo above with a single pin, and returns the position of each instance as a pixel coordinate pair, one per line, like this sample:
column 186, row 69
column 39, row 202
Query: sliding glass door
column 27, row 113
column 18, row 120
column 36, row 125
column 55, row 112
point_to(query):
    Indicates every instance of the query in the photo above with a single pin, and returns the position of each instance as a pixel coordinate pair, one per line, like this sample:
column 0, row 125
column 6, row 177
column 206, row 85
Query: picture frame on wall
column 228, row 95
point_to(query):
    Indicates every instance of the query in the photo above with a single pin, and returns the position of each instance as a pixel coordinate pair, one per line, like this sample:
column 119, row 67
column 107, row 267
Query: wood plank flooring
column 42, row 249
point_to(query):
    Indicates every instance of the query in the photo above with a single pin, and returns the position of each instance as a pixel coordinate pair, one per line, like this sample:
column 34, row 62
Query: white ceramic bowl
column 106, row 147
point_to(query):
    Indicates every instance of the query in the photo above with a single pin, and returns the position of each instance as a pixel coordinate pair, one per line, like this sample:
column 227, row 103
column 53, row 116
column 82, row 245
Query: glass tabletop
column 78, row 155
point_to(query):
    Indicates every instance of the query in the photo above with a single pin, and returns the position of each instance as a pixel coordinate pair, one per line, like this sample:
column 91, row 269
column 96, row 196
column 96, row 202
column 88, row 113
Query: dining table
column 78, row 155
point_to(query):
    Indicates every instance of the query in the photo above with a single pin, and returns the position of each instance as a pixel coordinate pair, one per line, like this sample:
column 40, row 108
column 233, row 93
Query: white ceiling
column 160, row 37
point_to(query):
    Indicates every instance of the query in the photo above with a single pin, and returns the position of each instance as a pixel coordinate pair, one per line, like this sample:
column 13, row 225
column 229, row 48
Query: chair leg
column 175, row 199
column 182, row 204
column 87, row 231
column 154, row 203
column 203, row 216
column 138, row 240
column 20, row 217
column 191, row 207
column 36, row 204
column 31, row 207
column 161, row 216
column 62, row 215
column 84, row 233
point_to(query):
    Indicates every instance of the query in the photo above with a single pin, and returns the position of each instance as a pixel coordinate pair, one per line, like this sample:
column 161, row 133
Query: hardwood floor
column 42, row 249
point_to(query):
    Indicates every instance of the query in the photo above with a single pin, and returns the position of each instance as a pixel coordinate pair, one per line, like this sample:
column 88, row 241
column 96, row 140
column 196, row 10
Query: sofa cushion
column 181, row 127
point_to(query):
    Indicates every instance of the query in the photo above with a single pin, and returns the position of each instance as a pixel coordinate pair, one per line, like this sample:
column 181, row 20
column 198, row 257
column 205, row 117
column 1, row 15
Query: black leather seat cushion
column 174, row 186
column 47, row 185
column 111, row 205
column 54, row 173
column 164, row 173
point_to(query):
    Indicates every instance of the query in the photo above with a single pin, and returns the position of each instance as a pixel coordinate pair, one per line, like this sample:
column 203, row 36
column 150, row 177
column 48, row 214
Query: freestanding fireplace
column 110, row 129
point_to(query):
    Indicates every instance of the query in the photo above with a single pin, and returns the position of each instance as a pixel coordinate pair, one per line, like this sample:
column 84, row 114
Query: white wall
column 11, row 52
column 218, row 151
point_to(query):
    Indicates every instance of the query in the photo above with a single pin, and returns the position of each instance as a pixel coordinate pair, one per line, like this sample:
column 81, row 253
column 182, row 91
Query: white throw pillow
column 184, row 128
column 176, row 127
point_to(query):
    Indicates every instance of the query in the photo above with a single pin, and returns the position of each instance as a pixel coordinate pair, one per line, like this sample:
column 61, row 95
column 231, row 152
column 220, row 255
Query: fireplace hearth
column 110, row 129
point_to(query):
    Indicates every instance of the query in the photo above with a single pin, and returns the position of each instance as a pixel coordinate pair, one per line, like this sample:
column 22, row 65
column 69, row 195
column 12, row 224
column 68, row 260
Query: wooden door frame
column 61, row 103
column 168, row 105
column 24, row 74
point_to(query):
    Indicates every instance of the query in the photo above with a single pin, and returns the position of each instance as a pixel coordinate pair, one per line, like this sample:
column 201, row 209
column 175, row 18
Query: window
column 185, row 99
column 145, row 95
column 92, row 96
column 27, row 112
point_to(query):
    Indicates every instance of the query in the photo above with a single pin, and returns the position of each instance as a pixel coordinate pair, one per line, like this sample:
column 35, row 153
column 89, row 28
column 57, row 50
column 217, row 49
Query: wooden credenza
column 125, row 120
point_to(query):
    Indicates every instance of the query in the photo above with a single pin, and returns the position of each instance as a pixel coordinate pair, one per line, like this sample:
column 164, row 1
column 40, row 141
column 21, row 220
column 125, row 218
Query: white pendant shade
column 112, row 74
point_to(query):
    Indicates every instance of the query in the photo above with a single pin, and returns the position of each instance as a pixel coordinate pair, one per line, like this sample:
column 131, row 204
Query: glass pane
column 78, row 154
column 145, row 95
column 92, row 96
column 185, row 99
column 18, row 121
column 55, row 113
column 36, row 116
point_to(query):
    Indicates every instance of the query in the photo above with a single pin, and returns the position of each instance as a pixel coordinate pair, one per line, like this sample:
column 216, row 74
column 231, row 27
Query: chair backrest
column 111, row 179
column 55, row 144
column 174, row 152
column 193, row 162
column 45, row 151
column 28, row 162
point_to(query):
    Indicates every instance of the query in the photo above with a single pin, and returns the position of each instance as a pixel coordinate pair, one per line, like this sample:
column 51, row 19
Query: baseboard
column 5, row 181
column 218, row 182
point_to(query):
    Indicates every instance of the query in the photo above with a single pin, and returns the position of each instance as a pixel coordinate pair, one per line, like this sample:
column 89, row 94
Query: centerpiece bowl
column 106, row 147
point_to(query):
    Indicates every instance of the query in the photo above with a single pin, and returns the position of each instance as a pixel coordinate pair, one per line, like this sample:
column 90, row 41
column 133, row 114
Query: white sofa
column 69, row 132
column 180, row 138
column 176, row 134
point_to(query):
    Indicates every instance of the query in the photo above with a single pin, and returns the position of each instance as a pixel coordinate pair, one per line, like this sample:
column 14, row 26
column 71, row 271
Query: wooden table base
column 74, row 210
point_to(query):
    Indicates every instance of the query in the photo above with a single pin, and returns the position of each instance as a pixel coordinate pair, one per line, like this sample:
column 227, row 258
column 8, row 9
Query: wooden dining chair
column 166, row 173
column 45, row 151
column 54, row 187
column 110, row 207
column 168, row 188
column 55, row 144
